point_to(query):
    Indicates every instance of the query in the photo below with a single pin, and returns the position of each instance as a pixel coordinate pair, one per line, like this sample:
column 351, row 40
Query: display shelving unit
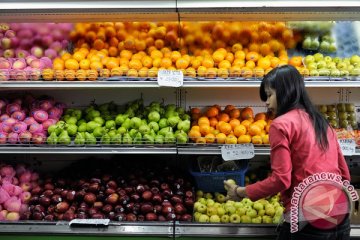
column 160, row 10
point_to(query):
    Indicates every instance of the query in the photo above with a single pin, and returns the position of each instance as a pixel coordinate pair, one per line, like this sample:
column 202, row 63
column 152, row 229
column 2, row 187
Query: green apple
column 220, row 211
column 234, row 218
column 251, row 213
column 247, row 202
column 314, row 73
column 211, row 210
column 312, row 66
column 220, row 198
column 328, row 59
column 241, row 211
column 196, row 205
column 343, row 115
column 199, row 193
column 210, row 202
column 154, row 116
column 204, row 218
column 257, row 219
column 208, row 196
column 230, row 210
column 309, row 59
column 276, row 219
column 335, row 73
column 225, row 219
column 331, row 65
column 258, row 206
column 261, row 212
column 267, row 219
column 279, row 211
column 344, row 73
column 355, row 71
column 321, row 64
column 245, row 219
column 201, row 208
column 355, row 59
column 336, row 60
column 315, row 44
column 270, row 210
column 350, row 107
column 324, row 72
column 214, row 219
column 307, row 43
column 318, row 57
column 342, row 66
column 202, row 200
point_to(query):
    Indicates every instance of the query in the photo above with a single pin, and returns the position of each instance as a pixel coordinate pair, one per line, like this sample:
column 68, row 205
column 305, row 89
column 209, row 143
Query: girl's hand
column 234, row 192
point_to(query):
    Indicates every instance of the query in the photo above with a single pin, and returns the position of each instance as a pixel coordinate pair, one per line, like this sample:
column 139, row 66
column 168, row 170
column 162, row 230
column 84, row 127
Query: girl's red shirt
column 295, row 155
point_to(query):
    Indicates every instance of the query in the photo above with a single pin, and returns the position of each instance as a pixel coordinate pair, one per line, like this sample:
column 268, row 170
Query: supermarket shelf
column 233, row 10
column 63, row 228
column 87, row 10
column 193, row 149
column 309, row 82
column 45, row 149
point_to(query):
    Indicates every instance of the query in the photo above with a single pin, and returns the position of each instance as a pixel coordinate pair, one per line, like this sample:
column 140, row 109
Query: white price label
column 170, row 78
column 84, row 222
column 347, row 146
column 237, row 151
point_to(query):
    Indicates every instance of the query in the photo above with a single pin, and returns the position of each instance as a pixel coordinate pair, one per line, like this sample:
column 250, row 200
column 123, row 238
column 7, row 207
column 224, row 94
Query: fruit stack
column 341, row 115
column 108, row 124
column 229, row 125
column 130, row 192
column 216, row 210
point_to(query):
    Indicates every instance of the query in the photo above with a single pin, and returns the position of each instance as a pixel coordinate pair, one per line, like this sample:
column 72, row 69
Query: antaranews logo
column 322, row 200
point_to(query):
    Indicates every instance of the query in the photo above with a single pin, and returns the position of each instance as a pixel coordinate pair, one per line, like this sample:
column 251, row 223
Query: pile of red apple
column 125, row 195
column 15, row 186
column 26, row 119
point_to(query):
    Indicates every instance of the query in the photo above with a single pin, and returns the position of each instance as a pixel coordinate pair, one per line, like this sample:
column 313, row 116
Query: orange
column 265, row 36
column 211, row 72
column 204, row 129
column 58, row 64
column 136, row 56
column 254, row 47
column 166, row 62
column 223, row 73
column 196, row 128
column 261, row 123
column 234, row 113
column 48, row 74
column 92, row 75
column 212, row 112
column 240, row 55
column 296, row 61
column 210, row 138
column 246, row 72
column 229, row 57
column 235, row 71
column 250, row 64
column 156, row 62
column 202, row 120
column 78, row 56
column 191, row 72
column 195, row 110
column 81, row 75
column 236, row 47
column 208, row 62
column 231, row 139
column 256, row 139
column 201, row 140
column 143, row 72
column 132, row 73
column 59, row 75
column 182, row 63
column 218, row 56
column 116, row 71
column 201, row 71
column 195, row 63
column 220, row 138
column 240, row 130
column 126, row 54
column 274, row 62
column 135, row 64
column 234, row 123
column 253, row 56
column 254, row 129
column 258, row 72
column 225, row 128
column 246, row 123
column 229, row 108
column 224, row 117
column 260, row 116
column 213, row 121
column 244, row 139
column 224, row 64
column 147, row 61
column 152, row 72
column 113, row 52
column 264, row 63
column 69, row 74
column 265, row 139
column 175, row 55
column 247, row 113
column 104, row 73
column 71, row 64
column 156, row 54
column 194, row 134
column 98, row 44
column 84, row 64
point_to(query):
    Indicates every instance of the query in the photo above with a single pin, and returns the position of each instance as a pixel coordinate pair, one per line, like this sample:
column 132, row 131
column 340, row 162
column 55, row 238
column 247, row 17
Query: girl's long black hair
column 291, row 94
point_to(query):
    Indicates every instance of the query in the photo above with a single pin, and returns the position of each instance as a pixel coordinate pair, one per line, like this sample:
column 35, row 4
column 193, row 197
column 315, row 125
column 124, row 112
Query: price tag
column 89, row 222
column 347, row 146
column 170, row 78
column 237, row 151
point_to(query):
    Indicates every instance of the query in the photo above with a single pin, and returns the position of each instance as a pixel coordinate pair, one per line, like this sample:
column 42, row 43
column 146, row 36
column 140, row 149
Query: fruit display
column 320, row 65
column 119, row 192
column 206, row 49
column 15, row 187
column 229, row 125
column 26, row 119
column 212, row 208
column 108, row 123
column 341, row 115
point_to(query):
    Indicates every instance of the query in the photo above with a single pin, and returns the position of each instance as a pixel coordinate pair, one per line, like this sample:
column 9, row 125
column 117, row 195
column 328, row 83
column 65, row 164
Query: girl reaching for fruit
column 303, row 145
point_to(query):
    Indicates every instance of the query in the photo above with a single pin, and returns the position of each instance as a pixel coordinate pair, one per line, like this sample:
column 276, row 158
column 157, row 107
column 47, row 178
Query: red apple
column 179, row 209
column 146, row 208
column 112, row 199
column 98, row 205
column 131, row 217
column 120, row 217
column 157, row 198
column 89, row 198
column 147, row 195
column 61, row 207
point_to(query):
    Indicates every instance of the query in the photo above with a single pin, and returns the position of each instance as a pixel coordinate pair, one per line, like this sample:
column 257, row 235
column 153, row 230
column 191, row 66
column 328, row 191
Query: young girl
column 302, row 144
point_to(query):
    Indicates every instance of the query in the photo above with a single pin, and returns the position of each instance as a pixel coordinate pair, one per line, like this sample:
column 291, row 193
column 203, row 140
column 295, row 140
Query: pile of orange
column 230, row 125
column 206, row 49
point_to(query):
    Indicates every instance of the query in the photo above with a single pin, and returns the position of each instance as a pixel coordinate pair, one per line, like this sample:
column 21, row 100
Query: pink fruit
column 46, row 105
column 25, row 137
column 10, row 33
column 21, row 53
column 13, row 216
column 25, row 177
column 9, row 53
column 3, row 214
column 19, row 64
column 35, row 128
column 7, row 171
column 4, row 75
column 26, row 187
column 29, row 59
column 46, row 124
column 5, row 43
column 5, row 64
column 29, row 120
column 15, row 42
column 40, row 116
column 37, row 51
column 12, row 107
column 3, row 103
column 50, row 53
column 4, row 195
column 20, row 168
column 55, row 46
column 13, row 138
column 47, row 40
column 34, row 176
column 19, row 127
column 25, row 197
column 37, row 64
column 6, row 128
column 3, row 137
column 24, row 206
column 25, row 33
column 12, row 204
column 18, row 115
column 25, row 43
column 55, row 113
column 19, row 75
column 47, row 62
column 38, row 138
column 35, row 74
column 17, row 190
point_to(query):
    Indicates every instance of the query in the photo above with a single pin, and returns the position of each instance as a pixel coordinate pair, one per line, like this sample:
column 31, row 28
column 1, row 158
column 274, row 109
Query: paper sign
column 237, row 151
column 347, row 146
column 170, row 78
column 86, row 222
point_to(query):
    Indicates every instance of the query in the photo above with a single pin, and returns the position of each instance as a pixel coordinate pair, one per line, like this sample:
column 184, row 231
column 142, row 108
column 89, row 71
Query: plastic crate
column 214, row 181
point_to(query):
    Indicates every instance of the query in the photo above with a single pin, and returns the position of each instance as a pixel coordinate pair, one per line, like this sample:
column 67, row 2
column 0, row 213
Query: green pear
column 82, row 127
column 136, row 122
column 144, row 129
column 99, row 120
column 173, row 121
column 110, row 124
column 169, row 137
column 127, row 124
column 120, row 118
column 51, row 129
column 71, row 129
column 163, row 123
column 185, row 117
column 91, row 126
column 81, row 121
column 89, row 138
column 127, row 139
column 98, row 132
column 165, row 130
column 71, row 120
column 52, row 139
column 159, row 139
column 137, row 139
column 77, row 113
column 184, row 125
column 105, row 139
column 64, row 138
column 148, row 139
column 121, row 130
column 154, row 126
column 79, row 139
column 154, row 116
column 116, row 139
